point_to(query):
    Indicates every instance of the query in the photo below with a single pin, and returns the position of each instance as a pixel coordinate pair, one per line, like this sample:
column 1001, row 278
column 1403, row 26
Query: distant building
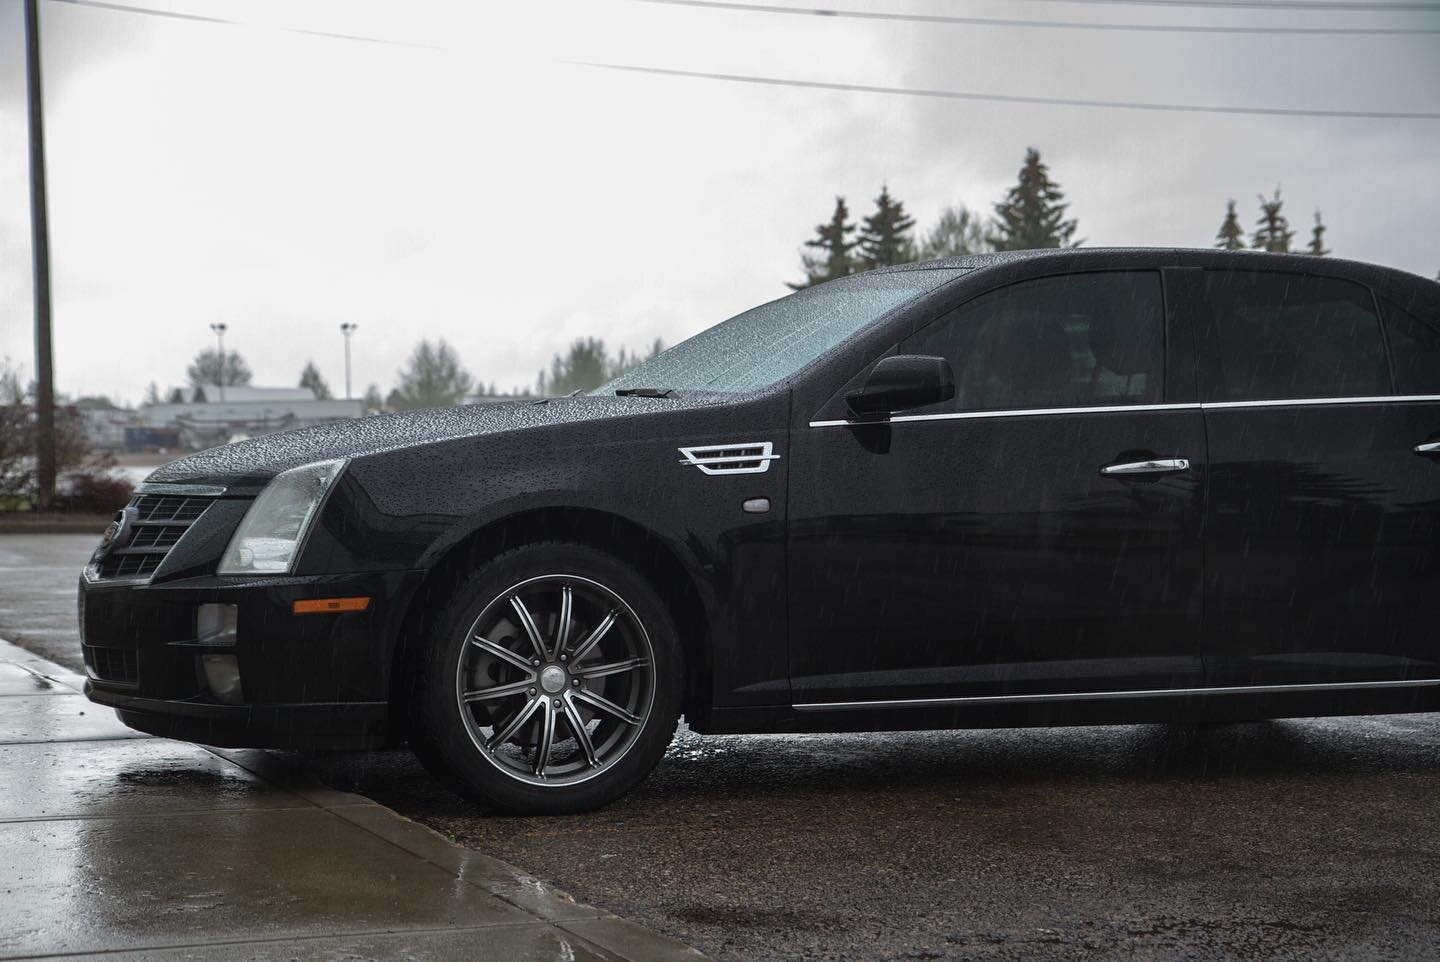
column 246, row 412
column 105, row 428
column 247, row 393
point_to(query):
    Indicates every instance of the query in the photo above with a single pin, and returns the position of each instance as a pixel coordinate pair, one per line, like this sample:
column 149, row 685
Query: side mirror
column 900, row 382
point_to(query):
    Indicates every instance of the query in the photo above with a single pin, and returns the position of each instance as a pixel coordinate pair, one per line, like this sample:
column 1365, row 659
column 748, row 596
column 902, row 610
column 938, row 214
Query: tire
column 494, row 675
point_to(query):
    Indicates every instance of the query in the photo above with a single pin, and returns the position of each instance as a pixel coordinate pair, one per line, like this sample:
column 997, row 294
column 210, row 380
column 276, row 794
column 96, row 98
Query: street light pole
column 45, row 466
column 347, row 328
column 219, row 329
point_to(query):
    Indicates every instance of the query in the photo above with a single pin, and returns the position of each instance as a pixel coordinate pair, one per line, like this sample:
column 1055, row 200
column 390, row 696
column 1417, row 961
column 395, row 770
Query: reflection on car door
column 1323, row 536
column 977, row 548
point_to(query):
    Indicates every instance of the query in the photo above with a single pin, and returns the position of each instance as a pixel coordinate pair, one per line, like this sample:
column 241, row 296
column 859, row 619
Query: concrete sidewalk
column 136, row 847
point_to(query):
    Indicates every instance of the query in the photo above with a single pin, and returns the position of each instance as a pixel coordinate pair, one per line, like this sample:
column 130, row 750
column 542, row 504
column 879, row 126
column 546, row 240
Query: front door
column 1039, row 533
column 1323, row 540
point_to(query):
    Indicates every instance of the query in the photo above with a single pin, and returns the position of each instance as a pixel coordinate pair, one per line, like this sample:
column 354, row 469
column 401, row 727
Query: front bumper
column 306, row 681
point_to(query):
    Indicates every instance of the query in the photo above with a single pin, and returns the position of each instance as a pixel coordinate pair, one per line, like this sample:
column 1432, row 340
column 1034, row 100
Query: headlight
column 269, row 538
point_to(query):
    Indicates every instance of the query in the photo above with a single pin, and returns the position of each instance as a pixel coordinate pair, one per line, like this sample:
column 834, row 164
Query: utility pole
column 219, row 329
column 40, row 258
column 347, row 328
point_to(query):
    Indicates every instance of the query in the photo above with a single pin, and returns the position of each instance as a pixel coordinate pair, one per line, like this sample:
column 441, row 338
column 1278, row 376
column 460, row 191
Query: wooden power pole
column 40, row 255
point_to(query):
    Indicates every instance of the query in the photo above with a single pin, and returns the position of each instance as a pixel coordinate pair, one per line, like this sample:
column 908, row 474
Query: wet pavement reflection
column 154, row 849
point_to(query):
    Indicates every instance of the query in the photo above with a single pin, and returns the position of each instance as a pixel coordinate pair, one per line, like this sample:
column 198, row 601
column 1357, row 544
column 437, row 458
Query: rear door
column 1322, row 537
column 980, row 547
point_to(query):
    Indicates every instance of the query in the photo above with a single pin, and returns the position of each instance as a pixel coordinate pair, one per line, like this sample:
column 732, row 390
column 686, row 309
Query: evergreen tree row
column 1032, row 215
column 1272, row 230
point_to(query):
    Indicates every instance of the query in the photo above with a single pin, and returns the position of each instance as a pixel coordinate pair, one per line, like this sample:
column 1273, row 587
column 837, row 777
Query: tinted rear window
column 1414, row 351
column 1284, row 336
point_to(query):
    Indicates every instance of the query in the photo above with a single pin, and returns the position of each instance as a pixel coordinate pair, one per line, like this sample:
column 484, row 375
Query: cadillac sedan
column 1040, row 488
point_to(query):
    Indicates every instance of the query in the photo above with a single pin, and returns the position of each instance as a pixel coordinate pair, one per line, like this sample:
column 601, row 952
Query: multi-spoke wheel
column 553, row 682
column 556, row 680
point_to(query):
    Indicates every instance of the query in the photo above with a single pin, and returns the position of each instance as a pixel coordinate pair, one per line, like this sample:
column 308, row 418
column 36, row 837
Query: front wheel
column 550, row 682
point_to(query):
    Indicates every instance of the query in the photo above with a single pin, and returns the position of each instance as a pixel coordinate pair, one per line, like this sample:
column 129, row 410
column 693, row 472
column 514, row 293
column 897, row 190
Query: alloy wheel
column 555, row 680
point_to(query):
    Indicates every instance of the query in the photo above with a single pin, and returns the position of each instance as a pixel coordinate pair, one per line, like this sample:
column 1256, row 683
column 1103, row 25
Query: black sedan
column 1097, row 486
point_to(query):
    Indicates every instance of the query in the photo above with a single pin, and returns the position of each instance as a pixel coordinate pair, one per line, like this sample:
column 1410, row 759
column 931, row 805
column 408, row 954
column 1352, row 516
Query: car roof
column 1093, row 258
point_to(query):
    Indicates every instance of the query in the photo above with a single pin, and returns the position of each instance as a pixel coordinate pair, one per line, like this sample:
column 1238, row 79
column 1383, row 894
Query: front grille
column 157, row 521
column 113, row 664
column 160, row 508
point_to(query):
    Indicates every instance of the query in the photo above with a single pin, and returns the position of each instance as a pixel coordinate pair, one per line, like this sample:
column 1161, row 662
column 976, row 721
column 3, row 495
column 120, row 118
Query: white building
column 246, row 412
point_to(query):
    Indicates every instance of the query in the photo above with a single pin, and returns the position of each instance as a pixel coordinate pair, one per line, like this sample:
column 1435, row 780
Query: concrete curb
column 553, row 911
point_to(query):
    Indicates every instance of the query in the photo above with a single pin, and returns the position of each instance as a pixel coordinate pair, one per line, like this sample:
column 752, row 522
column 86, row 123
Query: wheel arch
column 628, row 540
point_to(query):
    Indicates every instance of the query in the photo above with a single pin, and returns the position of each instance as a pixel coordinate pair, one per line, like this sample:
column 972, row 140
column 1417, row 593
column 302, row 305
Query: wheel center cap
column 552, row 679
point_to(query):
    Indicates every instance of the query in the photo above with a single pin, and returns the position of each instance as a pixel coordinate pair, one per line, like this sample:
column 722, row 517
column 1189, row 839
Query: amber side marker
column 325, row 606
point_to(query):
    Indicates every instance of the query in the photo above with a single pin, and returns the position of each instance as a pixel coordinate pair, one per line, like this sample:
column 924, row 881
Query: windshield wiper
column 645, row 392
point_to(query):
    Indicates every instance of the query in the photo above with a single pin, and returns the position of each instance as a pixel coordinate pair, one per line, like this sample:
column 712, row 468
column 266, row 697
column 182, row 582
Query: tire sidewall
column 439, row 733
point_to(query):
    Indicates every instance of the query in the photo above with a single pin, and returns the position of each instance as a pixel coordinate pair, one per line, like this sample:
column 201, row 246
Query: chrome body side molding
column 1118, row 408
column 1106, row 695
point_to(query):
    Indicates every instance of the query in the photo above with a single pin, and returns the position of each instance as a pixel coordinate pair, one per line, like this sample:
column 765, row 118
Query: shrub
column 95, row 491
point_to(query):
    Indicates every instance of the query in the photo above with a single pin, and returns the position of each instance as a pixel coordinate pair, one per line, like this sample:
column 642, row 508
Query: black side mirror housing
column 902, row 381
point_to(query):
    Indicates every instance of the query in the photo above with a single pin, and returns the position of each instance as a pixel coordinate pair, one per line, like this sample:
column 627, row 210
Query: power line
column 1007, row 98
column 199, row 18
column 1050, row 24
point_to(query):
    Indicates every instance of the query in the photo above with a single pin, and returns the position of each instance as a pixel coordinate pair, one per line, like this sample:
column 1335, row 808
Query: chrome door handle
column 1158, row 466
column 1429, row 447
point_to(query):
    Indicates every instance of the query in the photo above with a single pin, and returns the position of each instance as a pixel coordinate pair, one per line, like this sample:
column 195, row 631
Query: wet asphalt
column 1315, row 839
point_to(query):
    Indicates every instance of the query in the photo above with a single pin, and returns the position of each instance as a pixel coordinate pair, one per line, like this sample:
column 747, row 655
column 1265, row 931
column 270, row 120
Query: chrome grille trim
column 196, row 490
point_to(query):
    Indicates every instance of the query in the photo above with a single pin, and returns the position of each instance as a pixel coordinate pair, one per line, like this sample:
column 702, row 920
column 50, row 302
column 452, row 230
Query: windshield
column 773, row 341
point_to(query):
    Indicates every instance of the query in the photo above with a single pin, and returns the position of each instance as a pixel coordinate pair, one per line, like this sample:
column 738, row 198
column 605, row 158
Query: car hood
column 253, row 462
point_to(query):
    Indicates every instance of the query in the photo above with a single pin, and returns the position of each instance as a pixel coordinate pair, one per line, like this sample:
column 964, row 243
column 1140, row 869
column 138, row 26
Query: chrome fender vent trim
column 749, row 458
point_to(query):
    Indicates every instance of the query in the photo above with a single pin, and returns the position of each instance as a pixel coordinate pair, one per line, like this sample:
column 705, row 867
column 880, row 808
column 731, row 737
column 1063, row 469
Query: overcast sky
column 467, row 184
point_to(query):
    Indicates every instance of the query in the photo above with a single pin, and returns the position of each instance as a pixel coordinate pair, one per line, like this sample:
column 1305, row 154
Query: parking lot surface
column 1315, row 839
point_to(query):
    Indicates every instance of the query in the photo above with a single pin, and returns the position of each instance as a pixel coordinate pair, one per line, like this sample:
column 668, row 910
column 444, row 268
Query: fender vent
column 751, row 458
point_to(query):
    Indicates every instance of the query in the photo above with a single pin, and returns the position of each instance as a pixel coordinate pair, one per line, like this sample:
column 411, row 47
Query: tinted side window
column 1414, row 351
column 1292, row 336
column 1072, row 341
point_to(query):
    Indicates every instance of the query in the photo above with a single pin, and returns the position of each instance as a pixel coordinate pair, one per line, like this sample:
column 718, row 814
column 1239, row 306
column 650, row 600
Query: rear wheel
column 551, row 682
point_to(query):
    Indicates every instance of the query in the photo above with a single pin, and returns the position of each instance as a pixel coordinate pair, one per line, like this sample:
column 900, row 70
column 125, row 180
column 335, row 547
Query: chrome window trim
column 1311, row 401
column 1101, row 695
column 1117, row 408
column 193, row 490
column 1022, row 412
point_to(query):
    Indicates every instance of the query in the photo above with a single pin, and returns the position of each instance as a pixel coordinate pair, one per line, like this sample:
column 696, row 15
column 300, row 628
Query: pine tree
column 958, row 231
column 1317, row 238
column 310, row 377
column 152, row 394
column 833, row 242
column 432, row 378
column 1231, row 236
column 373, row 400
column 885, row 235
column 177, row 396
column 584, row 367
column 1032, row 215
column 1272, row 230
column 208, row 369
